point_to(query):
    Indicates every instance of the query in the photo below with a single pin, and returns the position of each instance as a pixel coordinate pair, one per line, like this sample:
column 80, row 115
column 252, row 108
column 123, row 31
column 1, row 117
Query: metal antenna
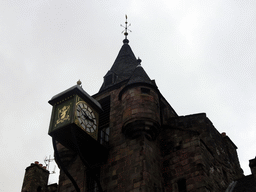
column 53, row 170
column 126, row 28
column 47, row 162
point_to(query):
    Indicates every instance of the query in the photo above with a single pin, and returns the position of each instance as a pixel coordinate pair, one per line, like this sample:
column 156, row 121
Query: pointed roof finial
column 79, row 82
column 139, row 60
column 125, row 31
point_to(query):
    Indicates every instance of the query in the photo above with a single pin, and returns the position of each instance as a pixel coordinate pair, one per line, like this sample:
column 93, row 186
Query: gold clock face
column 86, row 117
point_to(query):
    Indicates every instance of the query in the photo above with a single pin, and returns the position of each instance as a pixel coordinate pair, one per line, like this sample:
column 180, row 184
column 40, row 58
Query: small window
column 225, row 174
column 182, row 185
column 105, row 114
column 104, row 136
column 104, row 128
column 92, row 186
column 145, row 91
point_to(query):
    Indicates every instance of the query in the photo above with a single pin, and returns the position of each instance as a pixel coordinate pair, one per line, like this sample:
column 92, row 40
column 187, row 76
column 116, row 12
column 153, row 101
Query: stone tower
column 151, row 148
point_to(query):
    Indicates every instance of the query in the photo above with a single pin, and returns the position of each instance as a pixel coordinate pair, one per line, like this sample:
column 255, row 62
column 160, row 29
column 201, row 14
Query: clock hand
column 85, row 115
column 89, row 118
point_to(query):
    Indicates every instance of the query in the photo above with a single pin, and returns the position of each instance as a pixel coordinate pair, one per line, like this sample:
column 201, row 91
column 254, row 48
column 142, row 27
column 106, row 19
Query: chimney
column 36, row 178
column 252, row 165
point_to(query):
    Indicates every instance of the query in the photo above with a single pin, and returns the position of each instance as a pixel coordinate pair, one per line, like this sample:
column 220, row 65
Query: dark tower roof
column 125, row 63
column 140, row 76
column 125, row 67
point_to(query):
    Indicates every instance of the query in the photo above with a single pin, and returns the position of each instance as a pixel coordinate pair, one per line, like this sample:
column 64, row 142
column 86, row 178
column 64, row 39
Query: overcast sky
column 202, row 55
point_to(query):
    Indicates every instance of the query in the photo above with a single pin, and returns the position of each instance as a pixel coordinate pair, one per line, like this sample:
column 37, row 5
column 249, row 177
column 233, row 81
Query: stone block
column 197, row 157
column 184, row 162
column 186, row 145
column 190, row 187
column 195, row 143
column 130, row 152
column 138, row 184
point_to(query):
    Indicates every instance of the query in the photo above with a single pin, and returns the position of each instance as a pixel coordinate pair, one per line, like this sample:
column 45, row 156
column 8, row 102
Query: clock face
column 86, row 117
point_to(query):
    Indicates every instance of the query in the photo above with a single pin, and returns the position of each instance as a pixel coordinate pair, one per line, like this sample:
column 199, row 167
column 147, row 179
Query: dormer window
column 110, row 78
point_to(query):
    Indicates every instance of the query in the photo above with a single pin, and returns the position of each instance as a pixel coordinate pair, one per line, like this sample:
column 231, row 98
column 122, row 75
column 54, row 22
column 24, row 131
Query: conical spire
column 125, row 66
column 122, row 68
column 125, row 63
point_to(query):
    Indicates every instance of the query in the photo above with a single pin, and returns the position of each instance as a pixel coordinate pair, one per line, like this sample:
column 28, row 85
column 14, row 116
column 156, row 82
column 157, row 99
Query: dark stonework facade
column 151, row 148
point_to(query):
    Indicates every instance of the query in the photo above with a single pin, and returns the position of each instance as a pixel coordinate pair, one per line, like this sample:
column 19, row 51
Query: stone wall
column 195, row 151
column 133, row 164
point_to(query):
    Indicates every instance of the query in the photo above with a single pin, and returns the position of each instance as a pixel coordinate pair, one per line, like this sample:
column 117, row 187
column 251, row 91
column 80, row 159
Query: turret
column 141, row 111
column 139, row 94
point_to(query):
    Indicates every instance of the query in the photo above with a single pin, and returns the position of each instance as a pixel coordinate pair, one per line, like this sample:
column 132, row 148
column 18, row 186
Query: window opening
column 104, row 128
column 182, row 185
column 39, row 188
column 104, row 136
column 225, row 174
column 91, row 183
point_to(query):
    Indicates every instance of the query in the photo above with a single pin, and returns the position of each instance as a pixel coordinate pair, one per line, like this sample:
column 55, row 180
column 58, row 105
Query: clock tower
column 128, row 138
column 140, row 143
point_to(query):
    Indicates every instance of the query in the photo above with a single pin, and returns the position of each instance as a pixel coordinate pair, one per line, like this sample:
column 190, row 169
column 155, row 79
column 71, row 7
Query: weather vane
column 126, row 27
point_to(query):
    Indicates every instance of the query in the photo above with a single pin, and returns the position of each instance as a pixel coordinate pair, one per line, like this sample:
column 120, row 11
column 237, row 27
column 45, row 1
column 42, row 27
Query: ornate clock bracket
column 83, row 160
column 86, row 163
column 56, row 152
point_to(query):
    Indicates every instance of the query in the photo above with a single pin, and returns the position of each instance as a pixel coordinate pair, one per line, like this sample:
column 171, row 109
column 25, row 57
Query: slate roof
column 76, row 89
column 139, row 76
column 125, row 68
